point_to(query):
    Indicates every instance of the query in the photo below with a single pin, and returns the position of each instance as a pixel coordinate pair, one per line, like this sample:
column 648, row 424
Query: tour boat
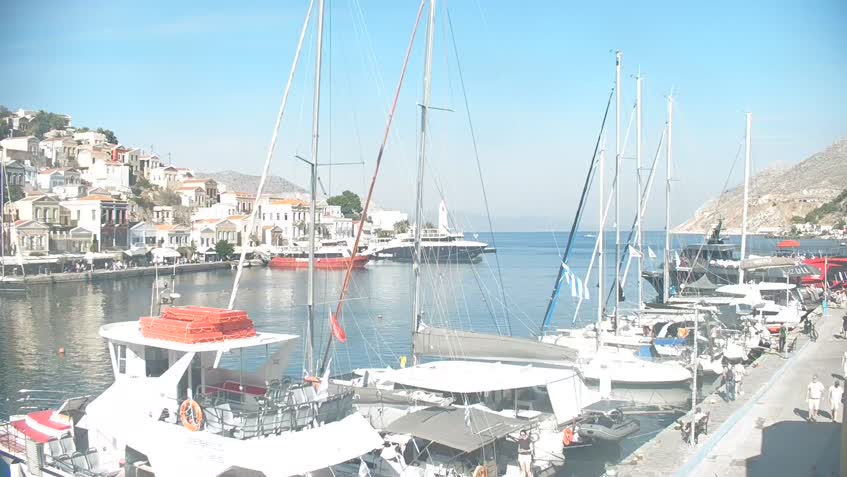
column 326, row 258
column 183, row 403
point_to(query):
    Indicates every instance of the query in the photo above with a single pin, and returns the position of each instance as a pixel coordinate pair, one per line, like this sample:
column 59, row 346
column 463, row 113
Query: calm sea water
column 377, row 319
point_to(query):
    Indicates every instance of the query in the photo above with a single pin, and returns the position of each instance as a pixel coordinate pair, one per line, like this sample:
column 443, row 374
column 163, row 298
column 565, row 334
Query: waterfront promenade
column 765, row 431
column 102, row 274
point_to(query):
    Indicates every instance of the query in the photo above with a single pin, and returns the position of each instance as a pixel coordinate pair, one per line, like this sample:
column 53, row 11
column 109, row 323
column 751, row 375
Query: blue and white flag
column 650, row 253
column 676, row 258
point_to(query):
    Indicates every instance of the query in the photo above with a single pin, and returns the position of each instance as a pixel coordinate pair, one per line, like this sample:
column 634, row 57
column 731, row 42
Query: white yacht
column 182, row 403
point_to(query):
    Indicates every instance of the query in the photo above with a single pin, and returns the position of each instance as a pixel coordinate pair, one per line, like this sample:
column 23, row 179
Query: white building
column 86, row 156
column 169, row 177
column 110, row 175
column 24, row 148
column 58, row 150
column 163, row 214
column 192, row 196
column 243, row 201
column 91, row 138
column 128, row 156
column 142, row 234
column 30, row 237
column 146, row 163
column 103, row 215
column 172, row 235
column 48, row 179
column 386, row 219
column 217, row 211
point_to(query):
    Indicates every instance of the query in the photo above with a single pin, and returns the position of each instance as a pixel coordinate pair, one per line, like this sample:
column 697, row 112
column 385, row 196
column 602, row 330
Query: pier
column 765, row 431
column 20, row 282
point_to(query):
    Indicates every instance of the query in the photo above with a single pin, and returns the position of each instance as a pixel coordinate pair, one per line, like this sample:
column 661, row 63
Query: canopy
column 448, row 426
column 788, row 244
column 136, row 252
column 165, row 253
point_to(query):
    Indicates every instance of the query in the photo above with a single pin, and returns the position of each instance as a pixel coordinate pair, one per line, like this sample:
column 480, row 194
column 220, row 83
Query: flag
column 574, row 291
column 337, row 330
column 676, row 258
column 567, row 272
column 650, row 253
column 634, row 252
column 363, row 469
column 585, row 295
column 323, row 387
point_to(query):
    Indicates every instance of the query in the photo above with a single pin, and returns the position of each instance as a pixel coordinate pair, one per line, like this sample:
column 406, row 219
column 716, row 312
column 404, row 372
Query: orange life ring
column 191, row 415
column 316, row 381
column 567, row 436
column 682, row 333
column 480, row 471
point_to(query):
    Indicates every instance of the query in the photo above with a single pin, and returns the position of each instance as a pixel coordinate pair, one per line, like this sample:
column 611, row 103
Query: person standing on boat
column 525, row 449
column 813, row 397
column 835, row 394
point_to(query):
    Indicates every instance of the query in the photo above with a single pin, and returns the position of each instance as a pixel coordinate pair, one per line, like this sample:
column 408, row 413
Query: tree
column 44, row 121
column 401, row 227
column 16, row 192
column 224, row 249
column 350, row 203
column 94, row 245
column 110, row 136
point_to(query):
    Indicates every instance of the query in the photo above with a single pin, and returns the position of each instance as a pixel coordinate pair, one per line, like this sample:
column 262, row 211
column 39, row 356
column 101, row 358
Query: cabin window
column 122, row 359
column 157, row 361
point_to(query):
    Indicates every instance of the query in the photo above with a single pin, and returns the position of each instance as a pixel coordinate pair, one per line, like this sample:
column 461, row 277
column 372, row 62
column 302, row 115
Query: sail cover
column 444, row 343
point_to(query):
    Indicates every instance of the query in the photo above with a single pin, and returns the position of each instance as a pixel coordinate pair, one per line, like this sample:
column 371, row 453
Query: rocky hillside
column 779, row 197
column 238, row 182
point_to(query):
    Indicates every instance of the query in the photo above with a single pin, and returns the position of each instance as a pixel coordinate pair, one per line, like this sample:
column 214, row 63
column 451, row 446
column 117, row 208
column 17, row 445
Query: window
column 38, row 212
column 93, row 215
column 277, row 216
column 122, row 359
column 156, row 360
column 286, row 216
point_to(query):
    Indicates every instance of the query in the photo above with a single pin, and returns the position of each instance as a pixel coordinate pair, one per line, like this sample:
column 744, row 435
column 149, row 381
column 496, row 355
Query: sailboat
column 182, row 402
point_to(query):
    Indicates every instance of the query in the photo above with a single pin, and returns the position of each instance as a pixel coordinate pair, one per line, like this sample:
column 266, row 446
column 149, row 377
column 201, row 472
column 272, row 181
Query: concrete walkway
column 764, row 432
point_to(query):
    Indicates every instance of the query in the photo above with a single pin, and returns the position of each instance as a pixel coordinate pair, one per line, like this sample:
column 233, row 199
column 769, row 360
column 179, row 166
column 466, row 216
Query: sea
column 507, row 292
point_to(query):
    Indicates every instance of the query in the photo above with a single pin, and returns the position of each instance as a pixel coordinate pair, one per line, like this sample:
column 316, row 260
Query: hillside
column 238, row 182
column 780, row 197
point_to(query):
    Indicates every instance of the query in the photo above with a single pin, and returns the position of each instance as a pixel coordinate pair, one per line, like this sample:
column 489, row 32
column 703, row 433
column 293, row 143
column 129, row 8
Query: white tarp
column 165, row 253
column 569, row 396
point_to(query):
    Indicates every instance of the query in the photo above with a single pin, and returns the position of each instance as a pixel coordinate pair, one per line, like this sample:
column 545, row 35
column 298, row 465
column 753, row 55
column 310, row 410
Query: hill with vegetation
column 811, row 191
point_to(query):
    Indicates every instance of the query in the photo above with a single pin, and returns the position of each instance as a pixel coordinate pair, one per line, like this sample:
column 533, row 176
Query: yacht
column 183, row 403
column 330, row 255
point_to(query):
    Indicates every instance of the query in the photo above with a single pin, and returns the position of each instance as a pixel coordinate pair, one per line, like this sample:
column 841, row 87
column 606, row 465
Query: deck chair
column 68, row 445
column 54, row 448
column 80, row 463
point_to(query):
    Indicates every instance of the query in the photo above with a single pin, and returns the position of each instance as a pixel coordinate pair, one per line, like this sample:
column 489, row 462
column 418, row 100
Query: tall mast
column 416, row 266
column 310, row 341
column 639, row 237
column 668, row 156
column 618, row 56
column 748, row 155
column 2, row 218
column 601, row 239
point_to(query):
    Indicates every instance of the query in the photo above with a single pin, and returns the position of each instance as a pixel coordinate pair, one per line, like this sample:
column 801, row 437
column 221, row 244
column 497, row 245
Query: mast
column 601, row 240
column 416, row 265
column 639, row 236
column 310, row 341
column 2, row 218
column 669, row 156
column 618, row 56
column 747, row 159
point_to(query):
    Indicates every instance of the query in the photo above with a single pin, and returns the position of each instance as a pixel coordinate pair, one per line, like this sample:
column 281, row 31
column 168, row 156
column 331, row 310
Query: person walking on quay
column 783, row 337
column 844, row 326
column 525, row 454
column 834, row 396
column 844, row 365
column 729, row 382
column 814, row 392
column 738, row 373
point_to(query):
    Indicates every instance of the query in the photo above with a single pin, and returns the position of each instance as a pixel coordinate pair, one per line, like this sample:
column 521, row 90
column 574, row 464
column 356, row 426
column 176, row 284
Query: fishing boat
column 326, row 257
column 182, row 403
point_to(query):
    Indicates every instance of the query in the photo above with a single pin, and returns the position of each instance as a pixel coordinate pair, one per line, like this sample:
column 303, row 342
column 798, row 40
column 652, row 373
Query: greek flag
column 650, row 253
column 578, row 289
column 634, row 252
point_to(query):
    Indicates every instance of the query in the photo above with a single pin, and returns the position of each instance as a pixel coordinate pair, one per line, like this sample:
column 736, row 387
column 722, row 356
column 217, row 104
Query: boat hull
column 599, row 432
column 339, row 263
column 433, row 253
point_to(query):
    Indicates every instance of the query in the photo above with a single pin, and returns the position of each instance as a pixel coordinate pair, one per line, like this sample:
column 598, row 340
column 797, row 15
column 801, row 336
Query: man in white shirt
column 738, row 373
column 835, row 393
column 813, row 397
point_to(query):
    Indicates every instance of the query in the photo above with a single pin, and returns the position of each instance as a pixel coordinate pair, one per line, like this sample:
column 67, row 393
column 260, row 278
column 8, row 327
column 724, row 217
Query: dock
column 20, row 283
column 765, row 431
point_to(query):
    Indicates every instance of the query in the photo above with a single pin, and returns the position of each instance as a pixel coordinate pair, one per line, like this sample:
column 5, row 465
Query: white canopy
column 165, row 253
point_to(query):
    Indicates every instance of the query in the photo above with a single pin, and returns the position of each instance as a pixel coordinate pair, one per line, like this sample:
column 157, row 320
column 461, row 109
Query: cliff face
column 778, row 194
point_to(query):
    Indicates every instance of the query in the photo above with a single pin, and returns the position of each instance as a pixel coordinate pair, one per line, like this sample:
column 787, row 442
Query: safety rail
column 12, row 441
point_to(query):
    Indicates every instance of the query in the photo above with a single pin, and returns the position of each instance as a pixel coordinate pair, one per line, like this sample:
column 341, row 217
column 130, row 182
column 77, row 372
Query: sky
column 200, row 82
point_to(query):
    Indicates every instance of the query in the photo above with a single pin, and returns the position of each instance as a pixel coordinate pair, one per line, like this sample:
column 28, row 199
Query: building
column 192, row 196
column 386, row 219
column 217, row 211
column 40, row 208
column 48, row 179
column 110, row 175
column 20, row 119
column 209, row 186
column 86, row 156
column 15, row 173
column 90, row 138
column 172, row 236
column 129, row 157
column 164, row 177
column 163, row 214
column 142, row 234
column 30, row 237
column 243, row 201
column 104, row 216
column 24, row 148
column 58, row 151
column 146, row 163
column 73, row 240
column 206, row 233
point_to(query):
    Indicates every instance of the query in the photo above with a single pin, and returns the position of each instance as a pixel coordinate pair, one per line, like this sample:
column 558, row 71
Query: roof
column 50, row 171
column 171, row 227
column 241, row 194
column 130, row 332
column 294, row 202
column 475, row 376
column 189, row 188
column 447, row 426
column 237, row 217
column 29, row 223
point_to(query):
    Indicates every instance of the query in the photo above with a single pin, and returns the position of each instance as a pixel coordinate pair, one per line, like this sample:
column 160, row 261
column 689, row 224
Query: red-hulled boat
column 326, row 258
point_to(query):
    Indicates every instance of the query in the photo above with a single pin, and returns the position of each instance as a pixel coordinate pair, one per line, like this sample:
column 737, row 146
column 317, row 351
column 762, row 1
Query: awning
column 165, row 253
column 136, row 252
column 448, row 427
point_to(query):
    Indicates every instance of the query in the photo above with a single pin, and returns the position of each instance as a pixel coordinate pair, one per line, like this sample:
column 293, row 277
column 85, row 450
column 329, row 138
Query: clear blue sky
column 202, row 81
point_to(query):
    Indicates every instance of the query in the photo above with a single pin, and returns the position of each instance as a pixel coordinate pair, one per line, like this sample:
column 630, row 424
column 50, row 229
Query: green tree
column 5, row 128
column 224, row 249
column 16, row 192
column 350, row 203
column 401, row 227
column 94, row 246
column 110, row 136
column 44, row 121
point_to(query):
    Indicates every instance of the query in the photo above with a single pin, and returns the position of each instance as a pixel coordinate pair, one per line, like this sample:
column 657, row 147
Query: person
column 814, row 392
column 844, row 326
column 844, row 365
column 729, row 379
column 738, row 373
column 835, row 394
column 525, row 454
column 783, row 336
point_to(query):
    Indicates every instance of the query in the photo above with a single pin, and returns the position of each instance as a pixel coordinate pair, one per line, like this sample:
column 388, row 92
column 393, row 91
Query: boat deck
column 764, row 431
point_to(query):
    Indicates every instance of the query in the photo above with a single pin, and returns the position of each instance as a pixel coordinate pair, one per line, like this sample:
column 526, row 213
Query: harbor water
column 35, row 325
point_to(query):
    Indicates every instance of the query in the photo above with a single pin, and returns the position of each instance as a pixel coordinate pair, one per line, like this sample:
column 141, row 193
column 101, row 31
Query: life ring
column 191, row 415
column 480, row 471
column 316, row 381
column 682, row 332
column 567, row 437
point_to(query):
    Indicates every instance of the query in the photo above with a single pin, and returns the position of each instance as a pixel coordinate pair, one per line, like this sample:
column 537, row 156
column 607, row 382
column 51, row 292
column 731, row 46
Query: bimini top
column 193, row 329
column 467, row 377
column 448, row 426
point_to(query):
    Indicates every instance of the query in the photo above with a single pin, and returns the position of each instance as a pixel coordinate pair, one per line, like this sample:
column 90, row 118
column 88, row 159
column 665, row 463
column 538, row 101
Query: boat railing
column 12, row 440
column 30, row 400
column 244, row 416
